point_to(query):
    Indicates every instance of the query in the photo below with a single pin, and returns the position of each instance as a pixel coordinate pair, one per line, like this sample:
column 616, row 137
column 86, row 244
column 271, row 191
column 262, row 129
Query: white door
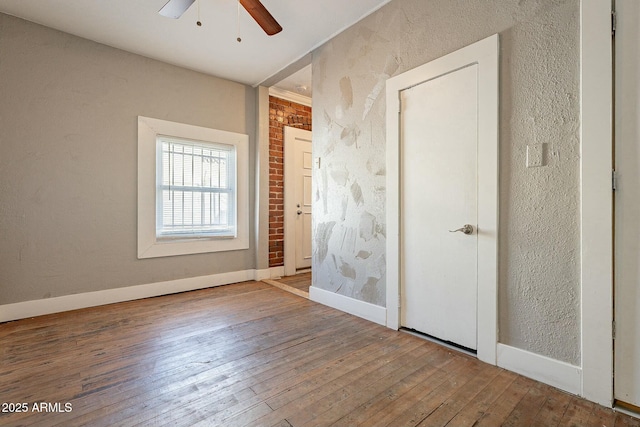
column 439, row 137
column 298, row 169
column 627, row 204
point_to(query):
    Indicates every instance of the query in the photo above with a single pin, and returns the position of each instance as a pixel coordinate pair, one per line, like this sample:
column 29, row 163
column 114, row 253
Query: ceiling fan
column 175, row 8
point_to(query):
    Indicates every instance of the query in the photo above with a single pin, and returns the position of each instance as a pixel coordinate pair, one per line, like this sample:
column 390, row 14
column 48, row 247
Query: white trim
column 485, row 54
column 289, row 195
column 290, row 136
column 269, row 273
column 21, row 310
column 558, row 374
column 365, row 310
column 277, row 272
column 290, row 96
column 626, row 411
column 596, row 221
column 148, row 245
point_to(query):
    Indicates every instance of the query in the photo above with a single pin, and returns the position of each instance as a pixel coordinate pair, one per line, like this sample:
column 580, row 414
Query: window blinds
column 196, row 189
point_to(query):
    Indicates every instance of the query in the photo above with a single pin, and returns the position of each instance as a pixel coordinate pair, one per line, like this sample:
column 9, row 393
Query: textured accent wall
column 68, row 168
column 281, row 113
column 539, row 207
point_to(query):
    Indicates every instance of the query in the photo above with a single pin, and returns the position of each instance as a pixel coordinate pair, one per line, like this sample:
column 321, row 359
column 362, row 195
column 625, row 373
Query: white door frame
column 485, row 53
column 596, row 222
column 626, row 381
column 290, row 215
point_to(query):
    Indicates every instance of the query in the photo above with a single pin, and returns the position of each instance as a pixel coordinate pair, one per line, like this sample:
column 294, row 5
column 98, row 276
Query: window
column 192, row 189
column 195, row 189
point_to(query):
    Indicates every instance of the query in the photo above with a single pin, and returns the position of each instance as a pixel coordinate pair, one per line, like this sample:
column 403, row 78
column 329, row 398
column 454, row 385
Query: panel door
column 304, row 165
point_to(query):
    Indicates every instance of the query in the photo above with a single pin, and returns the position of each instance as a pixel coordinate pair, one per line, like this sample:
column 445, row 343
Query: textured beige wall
column 68, row 161
column 539, row 207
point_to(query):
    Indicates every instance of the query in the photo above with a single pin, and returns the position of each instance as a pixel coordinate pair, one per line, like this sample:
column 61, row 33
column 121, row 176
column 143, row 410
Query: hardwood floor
column 251, row 354
column 298, row 284
column 300, row 281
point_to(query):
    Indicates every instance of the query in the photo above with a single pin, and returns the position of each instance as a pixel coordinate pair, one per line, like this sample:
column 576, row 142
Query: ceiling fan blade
column 262, row 16
column 175, row 8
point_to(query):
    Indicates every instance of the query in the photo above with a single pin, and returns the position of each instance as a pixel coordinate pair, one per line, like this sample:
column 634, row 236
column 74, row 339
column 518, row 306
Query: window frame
column 149, row 244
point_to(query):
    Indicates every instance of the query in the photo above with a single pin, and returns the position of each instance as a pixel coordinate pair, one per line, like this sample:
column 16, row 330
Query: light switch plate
column 535, row 155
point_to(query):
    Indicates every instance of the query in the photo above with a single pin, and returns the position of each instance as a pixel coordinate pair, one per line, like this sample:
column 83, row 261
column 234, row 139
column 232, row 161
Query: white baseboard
column 41, row 307
column 558, row 374
column 626, row 411
column 371, row 312
column 270, row 273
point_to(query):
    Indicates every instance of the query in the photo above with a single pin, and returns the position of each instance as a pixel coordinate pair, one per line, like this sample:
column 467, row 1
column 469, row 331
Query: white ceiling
column 136, row 26
column 298, row 82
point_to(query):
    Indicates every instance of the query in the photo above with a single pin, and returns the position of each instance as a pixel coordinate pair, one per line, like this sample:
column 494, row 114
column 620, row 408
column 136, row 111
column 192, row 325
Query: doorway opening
column 290, row 125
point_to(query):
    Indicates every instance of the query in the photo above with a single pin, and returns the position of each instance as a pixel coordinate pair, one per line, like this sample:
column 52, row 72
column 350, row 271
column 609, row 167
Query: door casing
column 485, row 54
column 596, row 205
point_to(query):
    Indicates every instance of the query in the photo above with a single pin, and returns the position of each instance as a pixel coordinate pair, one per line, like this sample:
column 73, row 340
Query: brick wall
column 281, row 113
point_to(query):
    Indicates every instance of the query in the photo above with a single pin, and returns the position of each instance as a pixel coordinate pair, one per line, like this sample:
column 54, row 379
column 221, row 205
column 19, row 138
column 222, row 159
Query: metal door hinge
column 614, row 23
column 614, row 180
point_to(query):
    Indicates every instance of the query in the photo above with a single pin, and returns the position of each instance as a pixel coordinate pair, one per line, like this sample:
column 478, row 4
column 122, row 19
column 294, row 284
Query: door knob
column 466, row 229
column 299, row 212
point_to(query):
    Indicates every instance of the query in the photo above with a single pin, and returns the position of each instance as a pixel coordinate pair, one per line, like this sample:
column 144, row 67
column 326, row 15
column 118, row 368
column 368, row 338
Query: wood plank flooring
column 300, row 281
column 250, row 354
column 298, row 284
